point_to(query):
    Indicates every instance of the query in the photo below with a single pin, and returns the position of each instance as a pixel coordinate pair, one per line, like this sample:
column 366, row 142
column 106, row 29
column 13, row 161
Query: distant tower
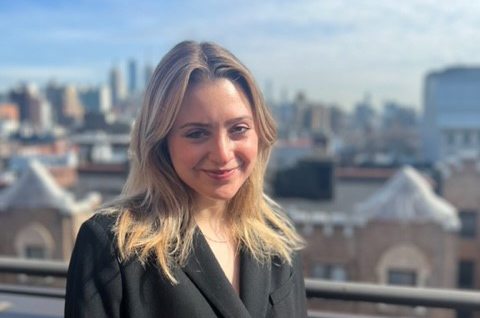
column 33, row 109
column 149, row 69
column 96, row 99
column 54, row 94
column 364, row 115
column 105, row 99
column 318, row 119
column 299, row 111
column 72, row 107
column 132, row 76
column 117, row 86
column 66, row 105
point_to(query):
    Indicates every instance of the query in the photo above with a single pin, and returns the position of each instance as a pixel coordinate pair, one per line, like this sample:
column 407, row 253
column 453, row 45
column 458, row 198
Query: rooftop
column 42, row 191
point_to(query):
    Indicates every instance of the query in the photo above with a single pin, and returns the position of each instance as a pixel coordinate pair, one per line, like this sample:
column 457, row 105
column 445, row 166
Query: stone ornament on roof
column 408, row 197
column 36, row 189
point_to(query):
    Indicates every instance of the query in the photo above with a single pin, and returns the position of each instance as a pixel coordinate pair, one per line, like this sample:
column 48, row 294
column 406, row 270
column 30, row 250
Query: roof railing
column 410, row 296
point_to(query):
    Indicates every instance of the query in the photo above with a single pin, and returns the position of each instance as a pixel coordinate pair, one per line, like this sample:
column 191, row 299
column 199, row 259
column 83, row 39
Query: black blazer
column 98, row 285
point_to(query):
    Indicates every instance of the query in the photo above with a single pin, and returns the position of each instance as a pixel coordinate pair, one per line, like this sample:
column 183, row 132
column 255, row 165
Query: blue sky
column 334, row 50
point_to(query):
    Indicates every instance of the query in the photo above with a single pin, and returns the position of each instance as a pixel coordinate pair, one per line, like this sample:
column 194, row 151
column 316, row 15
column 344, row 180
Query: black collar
column 204, row 270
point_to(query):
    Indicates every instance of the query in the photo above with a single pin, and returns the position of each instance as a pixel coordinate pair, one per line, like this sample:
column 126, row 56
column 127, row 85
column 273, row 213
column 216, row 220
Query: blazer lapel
column 254, row 285
column 204, row 270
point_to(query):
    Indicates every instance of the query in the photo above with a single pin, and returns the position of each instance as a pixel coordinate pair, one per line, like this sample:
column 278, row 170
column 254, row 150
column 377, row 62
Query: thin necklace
column 216, row 241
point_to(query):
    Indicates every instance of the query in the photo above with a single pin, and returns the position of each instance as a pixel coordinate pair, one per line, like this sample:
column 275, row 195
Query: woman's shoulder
column 100, row 226
column 106, row 220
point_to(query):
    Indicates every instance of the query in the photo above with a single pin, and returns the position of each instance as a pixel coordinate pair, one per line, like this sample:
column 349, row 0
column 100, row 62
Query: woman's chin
column 220, row 197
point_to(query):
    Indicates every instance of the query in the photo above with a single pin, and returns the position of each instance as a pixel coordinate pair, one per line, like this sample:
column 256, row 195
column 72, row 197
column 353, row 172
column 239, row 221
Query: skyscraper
column 96, row 99
column 34, row 110
column 149, row 69
column 451, row 119
column 117, row 86
column 66, row 106
column 132, row 76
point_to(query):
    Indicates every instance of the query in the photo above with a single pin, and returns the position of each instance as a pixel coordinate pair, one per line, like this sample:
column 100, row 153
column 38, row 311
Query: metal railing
column 410, row 296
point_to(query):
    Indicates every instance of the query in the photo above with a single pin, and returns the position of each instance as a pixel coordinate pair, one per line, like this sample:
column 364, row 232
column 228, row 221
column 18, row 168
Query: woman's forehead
column 216, row 99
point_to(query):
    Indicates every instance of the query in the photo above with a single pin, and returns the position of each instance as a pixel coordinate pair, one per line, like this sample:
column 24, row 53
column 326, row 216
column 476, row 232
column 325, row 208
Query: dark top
column 99, row 285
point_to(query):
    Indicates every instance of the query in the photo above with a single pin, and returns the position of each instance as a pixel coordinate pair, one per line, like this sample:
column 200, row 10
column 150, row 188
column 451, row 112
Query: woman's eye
column 240, row 129
column 196, row 134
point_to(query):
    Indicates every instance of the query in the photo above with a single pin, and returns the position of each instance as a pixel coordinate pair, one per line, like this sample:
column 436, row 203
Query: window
column 403, row 277
column 37, row 252
column 468, row 220
column 335, row 272
column 466, row 274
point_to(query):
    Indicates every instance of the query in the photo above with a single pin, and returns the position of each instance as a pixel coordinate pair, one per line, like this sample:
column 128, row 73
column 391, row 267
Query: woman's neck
column 211, row 219
column 206, row 209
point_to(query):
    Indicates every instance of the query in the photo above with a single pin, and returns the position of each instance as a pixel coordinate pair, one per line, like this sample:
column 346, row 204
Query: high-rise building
column 364, row 115
column 96, row 99
column 309, row 118
column 451, row 117
column 54, row 93
column 33, row 109
column 66, row 106
column 72, row 107
column 149, row 69
column 398, row 116
column 300, row 106
column 132, row 76
column 117, row 86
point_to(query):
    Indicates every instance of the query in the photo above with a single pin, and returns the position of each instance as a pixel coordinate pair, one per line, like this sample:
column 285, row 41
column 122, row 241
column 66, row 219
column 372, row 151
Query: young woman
column 193, row 234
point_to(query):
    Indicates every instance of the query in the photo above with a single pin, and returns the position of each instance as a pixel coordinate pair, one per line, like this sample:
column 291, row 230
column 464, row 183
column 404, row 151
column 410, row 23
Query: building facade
column 96, row 100
column 459, row 185
column 117, row 86
column 33, row 109
column 38, row 218
column 399, row 233
column 451, row 118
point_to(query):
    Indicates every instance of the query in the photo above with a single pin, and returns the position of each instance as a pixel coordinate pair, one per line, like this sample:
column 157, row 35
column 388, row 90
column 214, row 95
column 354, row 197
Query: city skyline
column 334, row 51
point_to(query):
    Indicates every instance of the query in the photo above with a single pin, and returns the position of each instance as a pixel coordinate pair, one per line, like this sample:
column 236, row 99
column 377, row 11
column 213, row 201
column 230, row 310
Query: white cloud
column 334, row 49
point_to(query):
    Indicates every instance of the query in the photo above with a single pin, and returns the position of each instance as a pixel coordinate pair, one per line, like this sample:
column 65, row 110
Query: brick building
column 460, row 184
column 399, row 232
column 38, row 218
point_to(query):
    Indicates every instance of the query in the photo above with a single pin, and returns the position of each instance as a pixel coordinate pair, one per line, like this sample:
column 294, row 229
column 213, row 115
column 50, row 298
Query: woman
column 193, row 234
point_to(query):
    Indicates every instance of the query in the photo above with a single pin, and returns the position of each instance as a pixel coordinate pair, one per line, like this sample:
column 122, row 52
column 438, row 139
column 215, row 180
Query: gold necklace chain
column 213, row 240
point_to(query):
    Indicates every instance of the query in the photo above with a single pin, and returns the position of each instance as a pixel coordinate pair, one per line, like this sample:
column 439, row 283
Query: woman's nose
column 222, row 150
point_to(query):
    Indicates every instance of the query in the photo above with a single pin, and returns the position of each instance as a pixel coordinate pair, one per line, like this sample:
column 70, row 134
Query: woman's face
column 213, row 143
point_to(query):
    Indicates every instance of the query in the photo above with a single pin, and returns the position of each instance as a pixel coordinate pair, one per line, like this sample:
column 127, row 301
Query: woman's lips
column 220, row 174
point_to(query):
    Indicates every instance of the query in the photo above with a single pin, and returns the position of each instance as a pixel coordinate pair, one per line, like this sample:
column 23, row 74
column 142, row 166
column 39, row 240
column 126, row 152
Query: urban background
column 378, row 114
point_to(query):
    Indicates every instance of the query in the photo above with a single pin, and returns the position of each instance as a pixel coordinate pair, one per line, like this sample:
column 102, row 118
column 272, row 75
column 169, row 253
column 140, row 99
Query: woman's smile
column 220, row 174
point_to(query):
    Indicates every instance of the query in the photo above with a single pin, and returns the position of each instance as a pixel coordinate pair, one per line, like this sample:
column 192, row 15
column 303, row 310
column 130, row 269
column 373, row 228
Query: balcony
column 21, row 301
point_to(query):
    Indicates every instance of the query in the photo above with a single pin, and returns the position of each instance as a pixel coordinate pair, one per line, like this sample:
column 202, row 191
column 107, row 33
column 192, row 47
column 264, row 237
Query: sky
column 335, row 51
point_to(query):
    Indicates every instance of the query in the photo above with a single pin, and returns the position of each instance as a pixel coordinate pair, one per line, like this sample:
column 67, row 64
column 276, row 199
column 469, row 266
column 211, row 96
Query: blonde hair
column 155, row 209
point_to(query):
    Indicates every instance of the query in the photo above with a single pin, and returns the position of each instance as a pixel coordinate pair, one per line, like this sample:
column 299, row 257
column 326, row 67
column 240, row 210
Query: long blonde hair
column 155, row 209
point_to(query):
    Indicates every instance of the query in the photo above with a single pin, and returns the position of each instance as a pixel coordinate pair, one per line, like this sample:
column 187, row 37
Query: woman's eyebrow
column 237, row 119
column 207, row 125
column 195, row 124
